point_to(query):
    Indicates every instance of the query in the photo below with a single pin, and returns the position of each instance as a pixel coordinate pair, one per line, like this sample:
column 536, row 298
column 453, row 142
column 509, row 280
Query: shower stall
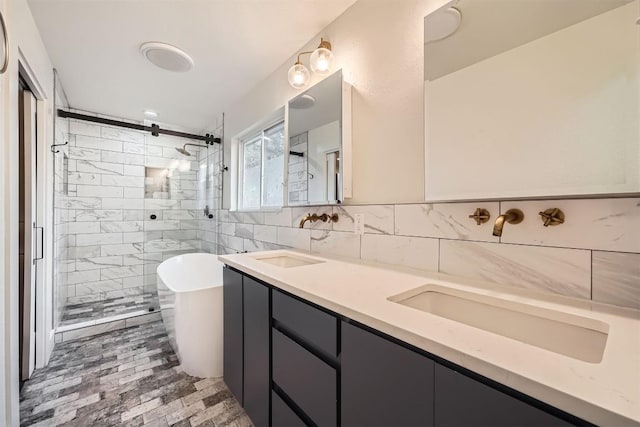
column 127, row 197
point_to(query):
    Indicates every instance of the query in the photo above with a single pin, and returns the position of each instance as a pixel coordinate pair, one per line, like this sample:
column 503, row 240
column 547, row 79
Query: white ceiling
column 491, row 27
column 235, row 44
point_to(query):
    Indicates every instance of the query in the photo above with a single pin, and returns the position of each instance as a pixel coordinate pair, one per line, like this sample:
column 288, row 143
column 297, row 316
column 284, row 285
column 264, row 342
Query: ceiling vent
column 167, row 57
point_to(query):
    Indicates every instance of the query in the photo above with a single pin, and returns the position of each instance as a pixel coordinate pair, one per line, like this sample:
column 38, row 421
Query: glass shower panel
column 209, row 197
column 171, row 214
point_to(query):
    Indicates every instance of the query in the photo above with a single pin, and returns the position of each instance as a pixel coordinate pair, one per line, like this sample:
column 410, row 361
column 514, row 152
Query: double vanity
column 312, row 340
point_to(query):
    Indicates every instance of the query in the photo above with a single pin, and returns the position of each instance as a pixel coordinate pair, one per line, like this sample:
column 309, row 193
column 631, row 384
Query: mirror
column 4, row 46
column 315, row 159
column 532, row 98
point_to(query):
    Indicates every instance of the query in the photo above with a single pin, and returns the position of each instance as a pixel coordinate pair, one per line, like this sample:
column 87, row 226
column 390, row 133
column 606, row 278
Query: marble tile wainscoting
column 595, row 254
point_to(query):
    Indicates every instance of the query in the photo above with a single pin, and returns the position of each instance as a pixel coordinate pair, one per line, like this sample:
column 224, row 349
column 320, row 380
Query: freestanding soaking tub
column 190, row 293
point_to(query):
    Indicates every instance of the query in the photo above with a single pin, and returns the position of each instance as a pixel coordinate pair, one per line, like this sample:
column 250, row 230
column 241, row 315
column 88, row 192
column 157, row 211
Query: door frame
column 25, row 48
column 27, row 152
column 44, row 339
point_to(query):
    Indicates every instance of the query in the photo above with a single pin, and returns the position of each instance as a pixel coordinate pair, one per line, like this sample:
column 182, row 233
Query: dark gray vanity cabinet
column 292, row 363
column 383, row 384
column 304, row 360
column 257, row 353
column 282, row 414
column 247, row 354
column 463, row 401
column 232, row 340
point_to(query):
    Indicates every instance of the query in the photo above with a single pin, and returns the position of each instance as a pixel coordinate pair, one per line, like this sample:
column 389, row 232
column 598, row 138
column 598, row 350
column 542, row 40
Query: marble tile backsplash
column 595, row 254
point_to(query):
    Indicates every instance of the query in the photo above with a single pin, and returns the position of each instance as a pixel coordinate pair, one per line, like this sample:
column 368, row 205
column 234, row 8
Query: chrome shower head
column 183, row 151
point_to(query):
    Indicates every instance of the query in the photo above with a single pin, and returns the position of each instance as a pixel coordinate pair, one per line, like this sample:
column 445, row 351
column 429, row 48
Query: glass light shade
column 321, row 60
column 298, row 76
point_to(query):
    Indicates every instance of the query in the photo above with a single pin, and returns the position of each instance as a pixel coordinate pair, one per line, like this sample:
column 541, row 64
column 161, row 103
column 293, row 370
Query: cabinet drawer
column 312, row 325
column 307, row 380
column 282, row 415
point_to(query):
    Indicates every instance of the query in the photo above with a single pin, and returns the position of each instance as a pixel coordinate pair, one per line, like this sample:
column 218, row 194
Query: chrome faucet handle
column 481, row 216
column 553, row 216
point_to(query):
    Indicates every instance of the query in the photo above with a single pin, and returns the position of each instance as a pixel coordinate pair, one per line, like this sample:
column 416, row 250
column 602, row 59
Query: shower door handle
column 38, row 243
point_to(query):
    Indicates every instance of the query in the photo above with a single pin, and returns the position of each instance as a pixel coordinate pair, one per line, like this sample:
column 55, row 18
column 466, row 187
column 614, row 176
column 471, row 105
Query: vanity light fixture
column 320, row 62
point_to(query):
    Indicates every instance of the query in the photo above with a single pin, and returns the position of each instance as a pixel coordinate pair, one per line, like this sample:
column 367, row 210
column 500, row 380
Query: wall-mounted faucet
column 512, row 216
column 315, row 217
column 553, row 216
column 480, row 216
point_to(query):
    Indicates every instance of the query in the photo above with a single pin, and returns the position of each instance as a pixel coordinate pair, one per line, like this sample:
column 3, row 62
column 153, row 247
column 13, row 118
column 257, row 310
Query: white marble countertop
column 605, row 393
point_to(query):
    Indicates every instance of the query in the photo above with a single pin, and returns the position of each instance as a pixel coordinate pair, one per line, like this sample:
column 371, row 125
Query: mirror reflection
column 315, row 144
column 532, row 98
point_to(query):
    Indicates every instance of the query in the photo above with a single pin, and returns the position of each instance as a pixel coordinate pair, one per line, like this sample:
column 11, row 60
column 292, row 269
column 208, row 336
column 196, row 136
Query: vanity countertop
column 605, row 393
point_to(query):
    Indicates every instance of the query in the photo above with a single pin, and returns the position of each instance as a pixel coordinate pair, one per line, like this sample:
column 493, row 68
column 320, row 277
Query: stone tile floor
column 129, row 377
column 93, row 310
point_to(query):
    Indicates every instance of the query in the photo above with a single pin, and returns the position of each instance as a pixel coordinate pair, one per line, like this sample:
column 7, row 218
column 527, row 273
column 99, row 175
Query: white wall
column 25, row 42
column 378, row 44
column 557, row 116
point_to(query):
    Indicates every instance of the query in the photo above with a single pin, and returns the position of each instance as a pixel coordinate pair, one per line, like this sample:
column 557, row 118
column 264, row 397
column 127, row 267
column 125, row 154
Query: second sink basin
column 574, row 336
column 287, row 260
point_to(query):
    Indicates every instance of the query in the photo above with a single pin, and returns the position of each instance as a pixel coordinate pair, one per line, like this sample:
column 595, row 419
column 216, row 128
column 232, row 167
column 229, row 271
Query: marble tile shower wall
column 113, row 247
column 594, row 255
column 298, row 169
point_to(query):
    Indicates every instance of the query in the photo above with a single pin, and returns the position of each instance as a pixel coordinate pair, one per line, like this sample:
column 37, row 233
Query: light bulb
column 298, row 76
column 321, row 60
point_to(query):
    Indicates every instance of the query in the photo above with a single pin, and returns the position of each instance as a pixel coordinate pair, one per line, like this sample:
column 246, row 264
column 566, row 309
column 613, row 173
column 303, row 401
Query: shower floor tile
column 94, row 310
column 129, row 377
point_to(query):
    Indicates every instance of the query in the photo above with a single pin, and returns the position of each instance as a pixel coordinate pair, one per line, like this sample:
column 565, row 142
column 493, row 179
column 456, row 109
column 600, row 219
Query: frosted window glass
column 273, row 167
column 251, row 168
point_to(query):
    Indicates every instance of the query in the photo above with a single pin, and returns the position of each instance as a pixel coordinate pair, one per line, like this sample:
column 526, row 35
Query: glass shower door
column 171, row 213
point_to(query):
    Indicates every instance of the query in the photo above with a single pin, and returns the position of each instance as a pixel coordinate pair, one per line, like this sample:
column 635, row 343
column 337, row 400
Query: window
column 261, row 169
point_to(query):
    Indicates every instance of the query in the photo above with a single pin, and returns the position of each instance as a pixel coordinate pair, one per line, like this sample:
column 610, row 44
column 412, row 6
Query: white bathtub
column 190, row 293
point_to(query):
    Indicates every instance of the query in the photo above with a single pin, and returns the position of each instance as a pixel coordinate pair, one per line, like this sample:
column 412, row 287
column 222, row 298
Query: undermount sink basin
column 578, row 337
column 288, row 260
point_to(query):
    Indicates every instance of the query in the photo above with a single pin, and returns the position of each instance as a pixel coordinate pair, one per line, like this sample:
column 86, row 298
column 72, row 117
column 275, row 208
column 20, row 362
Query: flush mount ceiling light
column 166, row 56
column 302, row 102
column 320, row 61
column 150, row 113
column 442, row 24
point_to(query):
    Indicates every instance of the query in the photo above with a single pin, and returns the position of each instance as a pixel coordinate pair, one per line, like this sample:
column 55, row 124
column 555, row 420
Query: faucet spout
column 512, row 216
column 498, row 225
column 307, row 218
